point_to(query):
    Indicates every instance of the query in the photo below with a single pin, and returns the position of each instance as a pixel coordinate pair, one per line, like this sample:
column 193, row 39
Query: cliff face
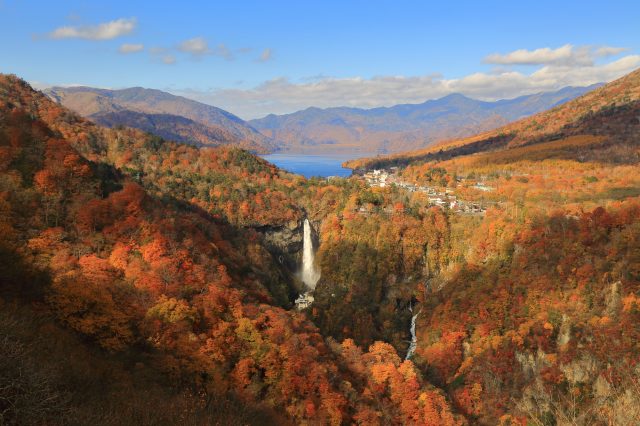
column 286, row 244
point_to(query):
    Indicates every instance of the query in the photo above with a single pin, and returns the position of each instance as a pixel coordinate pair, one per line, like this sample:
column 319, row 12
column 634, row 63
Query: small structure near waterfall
column 304, row 301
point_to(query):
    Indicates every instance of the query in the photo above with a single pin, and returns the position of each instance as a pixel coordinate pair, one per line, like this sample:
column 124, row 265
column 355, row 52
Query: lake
column 312, row 165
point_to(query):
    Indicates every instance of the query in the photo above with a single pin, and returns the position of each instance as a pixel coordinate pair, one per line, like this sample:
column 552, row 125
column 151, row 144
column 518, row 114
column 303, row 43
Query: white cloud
column 197, row 46
column 131, row 48
column 266, row 55
column 223, row 51
column 163, row 55
column 281, row 95
column 168, row 59
column 38, row 85
column 565, row 54
column 104, row 31
column 609, row 51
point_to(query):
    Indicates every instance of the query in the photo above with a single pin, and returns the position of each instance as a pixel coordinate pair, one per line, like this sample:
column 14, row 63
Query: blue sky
column 255, row 58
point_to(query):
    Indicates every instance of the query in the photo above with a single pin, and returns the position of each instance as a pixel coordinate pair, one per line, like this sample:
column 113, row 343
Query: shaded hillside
column 48, row 375
column 611, row 110
column 172, row 127
column 401, row 127
column 163, row 114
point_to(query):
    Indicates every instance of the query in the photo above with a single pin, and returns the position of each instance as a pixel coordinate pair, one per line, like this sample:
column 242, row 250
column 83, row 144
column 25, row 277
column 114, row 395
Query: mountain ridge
column 583, row 115
column 401, row 127
column 140, row 108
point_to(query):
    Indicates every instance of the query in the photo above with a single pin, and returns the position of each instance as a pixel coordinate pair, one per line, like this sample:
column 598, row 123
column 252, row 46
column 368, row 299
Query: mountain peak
column 454, row 97
column 156, row 111
column 400, row 127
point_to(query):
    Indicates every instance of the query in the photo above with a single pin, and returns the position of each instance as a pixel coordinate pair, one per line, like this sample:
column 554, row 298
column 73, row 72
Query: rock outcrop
column 285, row 242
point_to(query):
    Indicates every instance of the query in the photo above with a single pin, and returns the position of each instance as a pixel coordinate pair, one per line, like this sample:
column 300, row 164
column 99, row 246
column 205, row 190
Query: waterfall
column 310, row 275
column 414, row 340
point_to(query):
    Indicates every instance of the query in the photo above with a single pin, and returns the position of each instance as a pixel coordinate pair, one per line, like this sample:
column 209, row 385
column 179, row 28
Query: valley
column 482, row 281
column 329, row 213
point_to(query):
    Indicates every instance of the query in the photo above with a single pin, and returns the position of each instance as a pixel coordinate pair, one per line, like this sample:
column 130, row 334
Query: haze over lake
column 312, row 165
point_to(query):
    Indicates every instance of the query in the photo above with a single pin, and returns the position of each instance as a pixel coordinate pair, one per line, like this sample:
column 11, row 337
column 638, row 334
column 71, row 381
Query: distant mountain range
column 313, row 130
column 401, row 127
column 166, row 115
column 611, row 111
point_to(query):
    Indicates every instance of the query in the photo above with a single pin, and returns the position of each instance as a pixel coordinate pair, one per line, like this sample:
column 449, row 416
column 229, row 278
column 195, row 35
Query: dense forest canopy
column 153, row 259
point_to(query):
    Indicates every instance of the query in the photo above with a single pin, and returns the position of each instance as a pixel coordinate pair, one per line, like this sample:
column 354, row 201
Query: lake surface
column 312, row 165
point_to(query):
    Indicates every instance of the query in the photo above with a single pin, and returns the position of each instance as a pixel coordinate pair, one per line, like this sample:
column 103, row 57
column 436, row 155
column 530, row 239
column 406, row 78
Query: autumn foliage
column 156, row 252
column 131, row 268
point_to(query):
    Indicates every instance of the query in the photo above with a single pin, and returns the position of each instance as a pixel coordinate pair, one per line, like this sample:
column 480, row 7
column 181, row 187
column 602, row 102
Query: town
column 446, row 199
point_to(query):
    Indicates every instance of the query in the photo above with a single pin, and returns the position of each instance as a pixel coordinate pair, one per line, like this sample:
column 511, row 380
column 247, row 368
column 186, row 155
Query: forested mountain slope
column 161, row 283
column 162, row 114
column 540, row 312
column 155, row 254
column 401, row 127
column 611, row 110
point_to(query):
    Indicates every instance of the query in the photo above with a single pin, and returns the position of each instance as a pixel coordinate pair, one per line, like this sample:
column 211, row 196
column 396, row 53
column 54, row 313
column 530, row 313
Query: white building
column 304, row 301
column 482, row 187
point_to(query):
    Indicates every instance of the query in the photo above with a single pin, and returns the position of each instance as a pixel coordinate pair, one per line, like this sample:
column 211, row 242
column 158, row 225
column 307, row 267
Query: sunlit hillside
column 181, row 243
column 607, row 110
